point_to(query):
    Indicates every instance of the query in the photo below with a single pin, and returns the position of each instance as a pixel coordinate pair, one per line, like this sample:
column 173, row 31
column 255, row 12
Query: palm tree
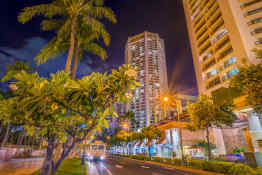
column 85, row 42
column 69, row 13
column 151, row 133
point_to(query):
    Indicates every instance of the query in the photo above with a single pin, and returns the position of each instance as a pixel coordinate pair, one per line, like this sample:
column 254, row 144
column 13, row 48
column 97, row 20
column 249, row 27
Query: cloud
column 32, row 47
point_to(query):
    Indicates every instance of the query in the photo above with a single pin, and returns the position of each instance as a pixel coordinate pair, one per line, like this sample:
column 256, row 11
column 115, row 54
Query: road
column 125, row 166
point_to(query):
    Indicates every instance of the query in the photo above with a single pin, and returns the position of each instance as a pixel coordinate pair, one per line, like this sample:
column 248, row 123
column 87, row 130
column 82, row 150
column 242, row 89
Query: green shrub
column 241, row 169
column 196, row 164
column 177, row 162
column 259, row 170
column 157, row 159
column 217, row 166
column 140, row 157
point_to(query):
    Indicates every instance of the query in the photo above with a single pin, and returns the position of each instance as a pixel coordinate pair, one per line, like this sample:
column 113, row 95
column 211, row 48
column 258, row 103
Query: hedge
column 228, row 168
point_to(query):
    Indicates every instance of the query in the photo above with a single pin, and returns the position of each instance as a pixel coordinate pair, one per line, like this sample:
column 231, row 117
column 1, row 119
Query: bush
column 157, row 159
column 241, row 169
column 177, row 162
column 196, row 164
column 140, row 157
column 259, row 170
column 228, row 168
column 217, row 166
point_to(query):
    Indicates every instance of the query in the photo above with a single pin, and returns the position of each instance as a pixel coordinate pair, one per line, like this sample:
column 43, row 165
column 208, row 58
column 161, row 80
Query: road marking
column 92, row 169
column 119, row 166
column 107, row 170
column 146, row 167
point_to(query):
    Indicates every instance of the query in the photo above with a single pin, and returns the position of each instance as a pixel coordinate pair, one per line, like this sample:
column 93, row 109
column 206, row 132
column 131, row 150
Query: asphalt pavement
column 123, row 166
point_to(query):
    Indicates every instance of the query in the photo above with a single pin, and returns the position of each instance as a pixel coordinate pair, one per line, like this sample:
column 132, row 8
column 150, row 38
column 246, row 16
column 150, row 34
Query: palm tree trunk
column 76, row 61
column 6, row 135
column 208, row 144
column 72, row 46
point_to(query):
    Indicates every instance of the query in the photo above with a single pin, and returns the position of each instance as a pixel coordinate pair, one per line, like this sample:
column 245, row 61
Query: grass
column 70, row 167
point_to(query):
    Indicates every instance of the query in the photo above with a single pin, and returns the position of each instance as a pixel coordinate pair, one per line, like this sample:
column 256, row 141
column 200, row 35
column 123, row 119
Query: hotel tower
column 222, row 35
column 146, row 51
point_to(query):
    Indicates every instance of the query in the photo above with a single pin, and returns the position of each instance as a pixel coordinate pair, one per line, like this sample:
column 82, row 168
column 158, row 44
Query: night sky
column 165, row 17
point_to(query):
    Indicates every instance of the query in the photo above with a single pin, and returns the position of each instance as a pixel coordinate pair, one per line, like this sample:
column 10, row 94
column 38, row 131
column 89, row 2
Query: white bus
column 96, row 151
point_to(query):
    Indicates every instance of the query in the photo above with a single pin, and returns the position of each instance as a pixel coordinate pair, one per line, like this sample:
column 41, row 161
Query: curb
column 200, row 172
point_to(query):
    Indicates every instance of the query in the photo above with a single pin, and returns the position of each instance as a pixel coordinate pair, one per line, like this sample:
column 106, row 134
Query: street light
column 179, row 112
column 166, row 99
column 125, row 126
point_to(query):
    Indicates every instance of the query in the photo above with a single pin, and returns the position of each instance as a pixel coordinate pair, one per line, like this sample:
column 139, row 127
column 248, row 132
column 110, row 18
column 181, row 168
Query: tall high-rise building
column 222, row 34
column 146, row 51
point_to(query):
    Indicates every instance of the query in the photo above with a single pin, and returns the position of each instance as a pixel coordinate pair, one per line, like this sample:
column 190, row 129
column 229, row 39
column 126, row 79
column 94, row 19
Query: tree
column 85, row 42
column 203, row 144
column 249, row 82
column 63, row 110
column 70, row 13
column 14, row 68
column 150, row 133
column 205, row 113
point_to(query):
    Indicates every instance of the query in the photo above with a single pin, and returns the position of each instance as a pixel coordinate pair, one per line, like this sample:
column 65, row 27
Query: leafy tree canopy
column 205, row 113
column 64, row 110
column 14, row 68
column 249, row 82
column 226, row 95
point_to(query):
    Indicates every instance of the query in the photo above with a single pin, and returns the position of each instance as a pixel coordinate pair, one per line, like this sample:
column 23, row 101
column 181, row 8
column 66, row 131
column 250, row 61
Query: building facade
column 222, row 35
column 146, row 51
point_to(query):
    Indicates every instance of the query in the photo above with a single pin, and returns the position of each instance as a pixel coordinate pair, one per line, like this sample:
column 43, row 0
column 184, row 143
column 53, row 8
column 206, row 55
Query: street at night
column 131, row 87
column 123, row 166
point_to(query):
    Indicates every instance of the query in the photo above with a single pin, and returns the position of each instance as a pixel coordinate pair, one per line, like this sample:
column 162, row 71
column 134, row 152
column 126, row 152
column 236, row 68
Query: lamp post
column 179, row 111
column 165, row 99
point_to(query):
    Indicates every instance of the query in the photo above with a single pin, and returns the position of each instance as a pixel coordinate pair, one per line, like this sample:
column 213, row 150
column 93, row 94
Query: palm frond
column 52, row 24
column 96, row 50
column 106, row 36
column 95, row 24
column 101, row 12
column 52, row 50
column 46, row 10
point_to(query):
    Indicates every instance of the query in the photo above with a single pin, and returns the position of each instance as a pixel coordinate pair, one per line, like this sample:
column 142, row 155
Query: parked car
column 237, row 158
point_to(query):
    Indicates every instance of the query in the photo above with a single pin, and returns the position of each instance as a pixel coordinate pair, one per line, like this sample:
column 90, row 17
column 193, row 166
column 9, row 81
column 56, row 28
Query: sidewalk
column 200, row 172
column 20, row 166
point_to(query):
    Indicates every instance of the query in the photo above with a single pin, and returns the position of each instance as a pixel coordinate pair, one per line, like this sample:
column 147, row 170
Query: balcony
column 202, row 41
column 213, row 83
column 227, row 51
column 200, row 33
column 247, row 4
column 208, row 65
column 204, row 47
column 207, row 56
column 219, row 35
column 224, row 42
column 217, row 26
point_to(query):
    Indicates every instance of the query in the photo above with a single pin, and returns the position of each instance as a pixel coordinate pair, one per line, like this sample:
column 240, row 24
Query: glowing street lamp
column 125, row 126
column 166, row 99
